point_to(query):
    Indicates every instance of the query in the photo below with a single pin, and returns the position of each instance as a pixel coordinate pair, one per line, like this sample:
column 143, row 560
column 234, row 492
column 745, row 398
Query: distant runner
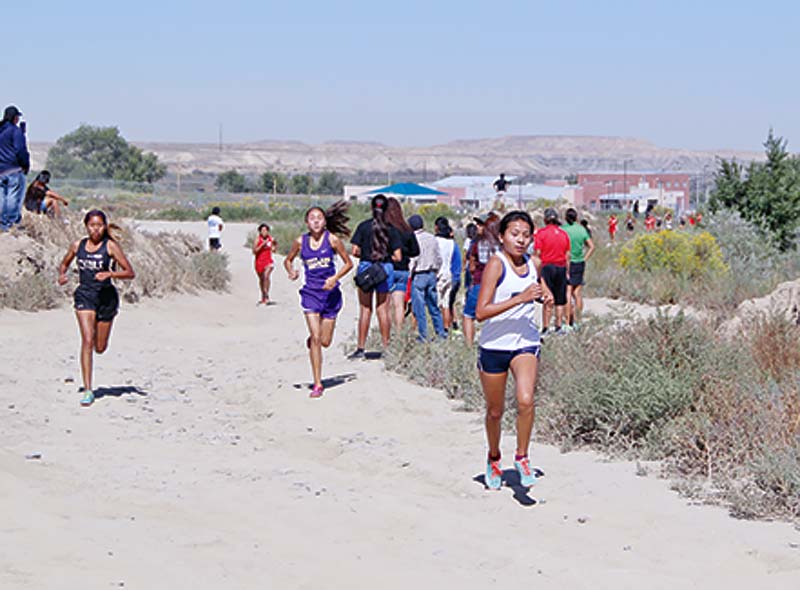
column 96, row 299
column 579, row 239
column 510, row 340
column 551, row 244
column 262, row 249
column 214, row 230
column 612, row 226
column 321, row 297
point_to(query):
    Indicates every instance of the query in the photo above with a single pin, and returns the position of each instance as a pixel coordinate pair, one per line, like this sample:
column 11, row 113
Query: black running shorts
column 555, row 277
column 576, row 273
column 105, row 301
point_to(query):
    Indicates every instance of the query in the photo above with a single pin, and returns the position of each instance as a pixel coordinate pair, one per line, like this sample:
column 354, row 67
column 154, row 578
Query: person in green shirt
column 581, row 249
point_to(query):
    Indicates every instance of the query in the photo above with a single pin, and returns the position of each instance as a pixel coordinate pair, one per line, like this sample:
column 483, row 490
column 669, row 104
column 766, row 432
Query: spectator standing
column 15, row 163
column 424, row 272
column 444, row 278
column 214, row 229
column 409, row 248
column 581, row 249
column 551, row 244
column 481, row 249
column 501, row 185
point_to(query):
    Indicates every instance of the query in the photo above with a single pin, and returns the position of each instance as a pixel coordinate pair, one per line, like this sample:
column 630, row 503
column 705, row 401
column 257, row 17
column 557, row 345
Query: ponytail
column 335, row 218
column 380, row 229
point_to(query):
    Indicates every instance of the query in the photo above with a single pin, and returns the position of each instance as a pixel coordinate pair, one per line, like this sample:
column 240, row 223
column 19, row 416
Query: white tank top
column 515, row 328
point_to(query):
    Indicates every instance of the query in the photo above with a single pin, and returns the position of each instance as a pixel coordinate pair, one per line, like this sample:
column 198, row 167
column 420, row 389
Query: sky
column 684, row 74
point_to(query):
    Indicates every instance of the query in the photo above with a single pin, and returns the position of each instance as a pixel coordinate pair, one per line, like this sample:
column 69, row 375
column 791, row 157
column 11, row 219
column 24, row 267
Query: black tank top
column 90, row 263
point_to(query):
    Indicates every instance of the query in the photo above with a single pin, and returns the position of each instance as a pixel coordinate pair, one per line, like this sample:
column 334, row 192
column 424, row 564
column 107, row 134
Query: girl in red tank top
column 262, row 249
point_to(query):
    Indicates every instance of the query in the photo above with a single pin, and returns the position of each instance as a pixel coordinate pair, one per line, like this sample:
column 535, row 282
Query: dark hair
column 511, row 216
column 394, row 216
column 443, row 229
column 571, row 215
column 263, row 225
column 491, row 231
column 585, row 224
column 109, row 226
column 471, row 230
column 43, row 177
column 215, row 211
column 335, row 217
column 380, row 229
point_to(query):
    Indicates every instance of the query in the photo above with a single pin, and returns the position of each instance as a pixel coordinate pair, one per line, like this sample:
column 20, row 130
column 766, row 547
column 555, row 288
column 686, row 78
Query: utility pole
column 220, row 137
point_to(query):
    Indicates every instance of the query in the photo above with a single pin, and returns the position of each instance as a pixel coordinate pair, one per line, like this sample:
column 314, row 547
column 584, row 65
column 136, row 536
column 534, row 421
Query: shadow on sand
column 118, row 391
column 330, row 381
column 511, row 480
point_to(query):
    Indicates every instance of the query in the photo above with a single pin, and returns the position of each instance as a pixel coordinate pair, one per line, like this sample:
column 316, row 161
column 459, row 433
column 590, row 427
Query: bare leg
column 101, row 335
column 382, row 311
column 525, row 368
column 560, row 315
column 494, row 389
column 547, row 311
column 570, row 306
column 267, row 283
column 578, row 311
column 315, row 346
column 469, row 330
column 364, row 316
column 86, row 323
column 261, row 286
column 398, row 308
column 327, row 325
column 447, row 319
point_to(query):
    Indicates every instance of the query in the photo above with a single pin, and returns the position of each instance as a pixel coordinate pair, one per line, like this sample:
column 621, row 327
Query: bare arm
column 491, row 274
column 115, row 251
column 397, row 255
column 66, row 261
column 56, row 196
column 287, row 262
column 590, row 251
column 338, row 247
column 258, row 245
column 355, row 251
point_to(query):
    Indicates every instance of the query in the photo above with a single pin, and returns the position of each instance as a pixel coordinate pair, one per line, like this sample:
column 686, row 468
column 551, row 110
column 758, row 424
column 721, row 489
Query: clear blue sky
column 695, row 74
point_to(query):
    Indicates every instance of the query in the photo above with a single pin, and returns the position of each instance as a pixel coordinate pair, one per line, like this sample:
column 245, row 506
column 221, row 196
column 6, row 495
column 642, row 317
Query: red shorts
column 262, row 265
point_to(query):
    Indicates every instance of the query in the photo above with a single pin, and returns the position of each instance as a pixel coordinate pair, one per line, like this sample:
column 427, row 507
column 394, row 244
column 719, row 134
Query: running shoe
column 357, row 354
column 88, row 398
column 494, row 475
column 316, row 391
column 526, row 475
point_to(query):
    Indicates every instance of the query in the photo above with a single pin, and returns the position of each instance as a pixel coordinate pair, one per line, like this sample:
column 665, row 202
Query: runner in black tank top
column 96, row 298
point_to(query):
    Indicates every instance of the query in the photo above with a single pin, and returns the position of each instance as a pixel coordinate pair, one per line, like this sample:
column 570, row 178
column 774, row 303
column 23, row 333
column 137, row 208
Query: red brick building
column 618, row 190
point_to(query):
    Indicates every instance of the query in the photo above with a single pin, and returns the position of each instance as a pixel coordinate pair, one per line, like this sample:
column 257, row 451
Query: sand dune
column 206, row 465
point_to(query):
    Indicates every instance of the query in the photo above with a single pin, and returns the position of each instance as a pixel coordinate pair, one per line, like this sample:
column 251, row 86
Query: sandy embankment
column 206, row 467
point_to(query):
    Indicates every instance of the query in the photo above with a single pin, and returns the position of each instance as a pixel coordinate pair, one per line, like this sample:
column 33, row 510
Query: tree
column 301, row 184
column 767, row 193
column 330, row 184
column 231, row 181
column 101, row 152
column 274, row 182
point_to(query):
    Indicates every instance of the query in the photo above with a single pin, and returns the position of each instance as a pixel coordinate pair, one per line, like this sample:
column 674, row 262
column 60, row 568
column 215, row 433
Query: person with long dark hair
column 375, row 242
column 40, row 199
column 96, row 298
column 321, row 297
column 409, row 249
column 485, row 244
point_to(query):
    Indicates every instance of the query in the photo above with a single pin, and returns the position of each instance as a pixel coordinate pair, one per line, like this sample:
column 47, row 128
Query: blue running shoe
column 88, row 398
column 494, row 475
column 526, row 476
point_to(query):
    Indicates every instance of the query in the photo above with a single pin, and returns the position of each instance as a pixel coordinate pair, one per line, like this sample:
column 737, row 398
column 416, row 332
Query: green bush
column 211, row 270
column 693, row 255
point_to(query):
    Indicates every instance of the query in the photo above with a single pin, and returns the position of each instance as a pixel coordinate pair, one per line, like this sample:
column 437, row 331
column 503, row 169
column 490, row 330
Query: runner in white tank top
column 510, row 340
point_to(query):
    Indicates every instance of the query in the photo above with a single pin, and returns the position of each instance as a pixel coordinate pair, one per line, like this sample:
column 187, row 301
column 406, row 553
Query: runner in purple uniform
column 320, row 297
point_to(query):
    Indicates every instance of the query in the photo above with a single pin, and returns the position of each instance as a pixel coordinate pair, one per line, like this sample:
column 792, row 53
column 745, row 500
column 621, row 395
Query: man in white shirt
column 214, row 230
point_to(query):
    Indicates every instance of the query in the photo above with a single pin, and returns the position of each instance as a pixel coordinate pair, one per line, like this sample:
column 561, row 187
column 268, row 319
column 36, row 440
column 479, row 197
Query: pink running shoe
column 316, row 391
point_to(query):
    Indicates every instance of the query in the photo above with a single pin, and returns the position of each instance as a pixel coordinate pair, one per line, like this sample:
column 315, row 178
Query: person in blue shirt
column 15, row 163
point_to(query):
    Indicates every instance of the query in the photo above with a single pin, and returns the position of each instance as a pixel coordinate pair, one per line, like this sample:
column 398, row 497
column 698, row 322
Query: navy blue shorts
column 499, row 361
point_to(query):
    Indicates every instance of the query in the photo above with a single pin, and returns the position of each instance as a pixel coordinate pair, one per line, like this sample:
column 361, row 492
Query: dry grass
column 164, row 263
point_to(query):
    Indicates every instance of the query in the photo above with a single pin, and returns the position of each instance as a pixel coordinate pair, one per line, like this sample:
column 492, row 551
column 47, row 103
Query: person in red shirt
column 691, row 220
column 262, row 249
column 612, row 226
column 551, row 244
column 650, row 222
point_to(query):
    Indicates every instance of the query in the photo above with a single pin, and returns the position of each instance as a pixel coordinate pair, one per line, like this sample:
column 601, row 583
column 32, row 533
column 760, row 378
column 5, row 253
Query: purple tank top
column 319, row 263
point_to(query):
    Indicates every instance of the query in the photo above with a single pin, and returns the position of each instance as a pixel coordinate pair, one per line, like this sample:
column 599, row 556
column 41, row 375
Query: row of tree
column 328, row 183
column 765, row 193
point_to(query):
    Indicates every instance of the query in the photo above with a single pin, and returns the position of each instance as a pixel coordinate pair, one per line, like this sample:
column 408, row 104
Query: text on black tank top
column 91, row 263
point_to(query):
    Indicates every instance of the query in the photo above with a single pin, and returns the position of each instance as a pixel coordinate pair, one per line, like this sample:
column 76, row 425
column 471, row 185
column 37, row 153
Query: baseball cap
column 550, row 214
column 11, row 112
column 415, row 221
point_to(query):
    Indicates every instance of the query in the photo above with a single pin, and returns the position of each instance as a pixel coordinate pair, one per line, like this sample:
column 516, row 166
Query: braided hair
column 380, row 229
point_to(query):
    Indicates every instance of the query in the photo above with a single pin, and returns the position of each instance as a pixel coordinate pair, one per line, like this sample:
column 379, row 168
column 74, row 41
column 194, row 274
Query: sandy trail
column 207, row 466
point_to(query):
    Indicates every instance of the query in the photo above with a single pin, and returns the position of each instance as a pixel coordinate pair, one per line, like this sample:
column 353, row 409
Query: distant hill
column 541, row 155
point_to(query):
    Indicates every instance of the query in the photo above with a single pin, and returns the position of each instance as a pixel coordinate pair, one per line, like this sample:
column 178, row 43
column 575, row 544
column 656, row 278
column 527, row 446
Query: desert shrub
column 693, row 255
column 30, row 292
column 211, row 270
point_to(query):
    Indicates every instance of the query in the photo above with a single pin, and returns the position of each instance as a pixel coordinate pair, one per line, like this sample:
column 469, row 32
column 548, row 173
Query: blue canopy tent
column 405, row 190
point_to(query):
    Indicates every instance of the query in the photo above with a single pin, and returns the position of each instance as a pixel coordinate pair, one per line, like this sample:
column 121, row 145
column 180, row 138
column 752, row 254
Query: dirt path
column 207, row 466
